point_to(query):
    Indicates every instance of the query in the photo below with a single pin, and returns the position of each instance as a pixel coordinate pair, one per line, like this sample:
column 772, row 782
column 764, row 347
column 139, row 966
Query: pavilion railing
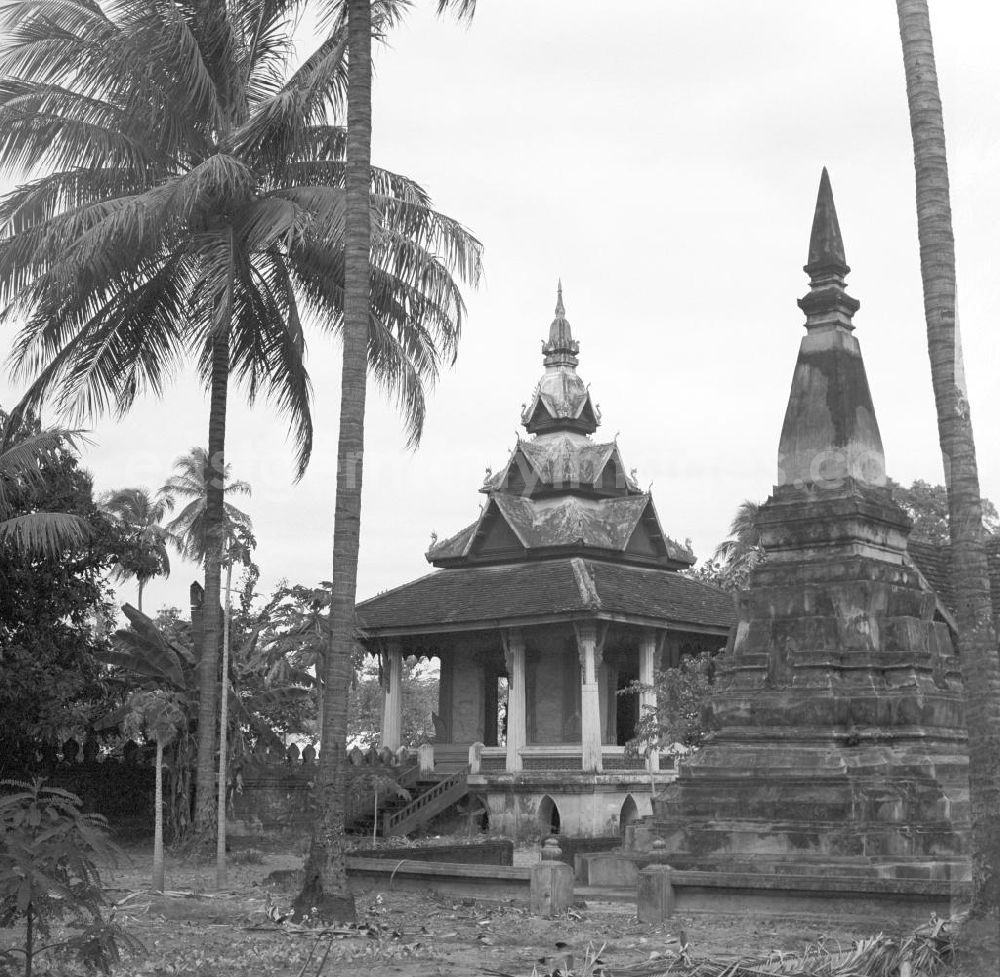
column 556, row 757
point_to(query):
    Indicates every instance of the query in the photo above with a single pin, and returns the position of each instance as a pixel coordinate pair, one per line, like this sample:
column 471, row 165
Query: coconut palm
column 744, row 536
column 22, row 466
column 977, row 639
column 189, row 486
column 325, row 877
column 140, row 515
column 192, row 204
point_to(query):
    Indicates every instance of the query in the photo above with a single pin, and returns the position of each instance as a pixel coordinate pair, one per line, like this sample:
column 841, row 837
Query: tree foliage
column 735, row 557
column 140, row 516
column 52, row 611
column 927, row 506
column 155, row 666
column 419, row 689
column 188, row 487
column 677, row 726
column 27, row 527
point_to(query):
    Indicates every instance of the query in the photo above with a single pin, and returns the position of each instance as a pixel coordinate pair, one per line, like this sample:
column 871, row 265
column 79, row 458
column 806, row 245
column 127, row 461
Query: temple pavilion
column 560, row 594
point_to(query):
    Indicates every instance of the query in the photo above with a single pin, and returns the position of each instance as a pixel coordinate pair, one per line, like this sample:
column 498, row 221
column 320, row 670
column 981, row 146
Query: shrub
column 48, row 871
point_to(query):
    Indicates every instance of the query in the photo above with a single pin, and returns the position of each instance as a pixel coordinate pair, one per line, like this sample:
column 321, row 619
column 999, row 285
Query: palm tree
column 190, row 483
column 192, row 204
column 976, row 636
column 141, row 515
column 325, row 876
column 190, row 530
column 22, row 465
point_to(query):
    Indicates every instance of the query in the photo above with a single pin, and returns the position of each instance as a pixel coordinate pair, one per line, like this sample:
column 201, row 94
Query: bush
column 677, row 726
column 48, row 871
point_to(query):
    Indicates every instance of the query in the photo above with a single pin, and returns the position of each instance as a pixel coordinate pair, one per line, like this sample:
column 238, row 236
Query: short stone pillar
column 476, row 758
column 551, row 882
column 655, row 894
column 425, row 757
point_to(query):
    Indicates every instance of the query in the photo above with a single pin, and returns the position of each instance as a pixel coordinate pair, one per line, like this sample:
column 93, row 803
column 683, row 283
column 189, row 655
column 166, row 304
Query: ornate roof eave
column 565, row 551
column 528, row 413
column 523, row 450
column 685, row 556
column 515, row 510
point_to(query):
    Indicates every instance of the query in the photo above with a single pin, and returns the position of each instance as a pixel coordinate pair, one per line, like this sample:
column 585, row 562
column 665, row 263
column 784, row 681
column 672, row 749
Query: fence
column 119, row 786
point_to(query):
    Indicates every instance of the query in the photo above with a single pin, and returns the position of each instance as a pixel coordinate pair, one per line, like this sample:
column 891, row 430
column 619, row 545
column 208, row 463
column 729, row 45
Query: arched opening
column 476, row 815
column 548, row 816
column 629, row 813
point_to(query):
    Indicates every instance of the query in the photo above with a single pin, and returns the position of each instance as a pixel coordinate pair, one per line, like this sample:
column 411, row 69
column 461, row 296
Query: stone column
column 650, row 646
column 590, row 643
column 392, row 705
column 517, row 725
column 603, row 680
column 446, row 693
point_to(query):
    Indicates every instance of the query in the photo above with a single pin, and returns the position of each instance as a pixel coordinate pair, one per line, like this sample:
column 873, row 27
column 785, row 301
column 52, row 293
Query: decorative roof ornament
column 562, row 348
column 561, row 402
column 827, row 305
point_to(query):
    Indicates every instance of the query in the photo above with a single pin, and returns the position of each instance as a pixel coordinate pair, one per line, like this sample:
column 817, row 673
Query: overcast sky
column 662, row 158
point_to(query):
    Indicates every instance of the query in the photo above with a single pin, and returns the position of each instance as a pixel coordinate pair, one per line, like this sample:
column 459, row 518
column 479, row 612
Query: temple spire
column 827, row 305
column 826, row 246
column 830, row 435
column 561, row 402
column 562, row 348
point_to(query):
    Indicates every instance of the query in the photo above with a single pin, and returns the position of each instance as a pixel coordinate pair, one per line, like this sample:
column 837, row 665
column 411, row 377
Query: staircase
column 426, row 805
column 359, row 818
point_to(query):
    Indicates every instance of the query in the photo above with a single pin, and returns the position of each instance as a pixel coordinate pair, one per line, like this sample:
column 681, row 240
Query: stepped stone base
column 838, row 746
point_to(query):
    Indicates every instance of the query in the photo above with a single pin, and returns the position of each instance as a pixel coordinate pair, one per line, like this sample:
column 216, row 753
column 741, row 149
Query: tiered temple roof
column 565, row 529
column 561, row 494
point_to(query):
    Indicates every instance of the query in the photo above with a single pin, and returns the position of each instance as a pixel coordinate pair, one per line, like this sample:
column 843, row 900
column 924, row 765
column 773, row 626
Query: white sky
column 662, row 157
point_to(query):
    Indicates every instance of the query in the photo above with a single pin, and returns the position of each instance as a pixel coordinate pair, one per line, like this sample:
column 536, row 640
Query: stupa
column 838, row 747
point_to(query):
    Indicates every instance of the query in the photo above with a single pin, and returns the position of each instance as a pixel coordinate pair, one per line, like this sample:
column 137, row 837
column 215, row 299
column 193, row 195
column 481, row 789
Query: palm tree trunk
column 977, row 639
column 220, row 847
column 208, row 666
column 139, row 599
column 158, row 871
column 325, row 885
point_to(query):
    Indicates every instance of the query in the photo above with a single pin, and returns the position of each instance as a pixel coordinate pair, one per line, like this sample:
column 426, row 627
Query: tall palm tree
column 192, row 204
column 325, row 877
column 976, row 637
column 140, row 515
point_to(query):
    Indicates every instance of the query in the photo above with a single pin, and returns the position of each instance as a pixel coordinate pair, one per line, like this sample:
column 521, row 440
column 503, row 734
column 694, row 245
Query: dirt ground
column 192, row 930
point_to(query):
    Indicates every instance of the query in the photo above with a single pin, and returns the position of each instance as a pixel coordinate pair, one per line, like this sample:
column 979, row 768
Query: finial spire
column 827, row 304
column 561, row 348
column 826, row 246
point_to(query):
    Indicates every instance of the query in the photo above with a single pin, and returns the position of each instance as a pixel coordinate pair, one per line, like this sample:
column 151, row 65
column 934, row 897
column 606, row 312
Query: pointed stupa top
column 561, row 401
column 830, row 434
column 827, row 304
column 562, row 348
column 826, row 246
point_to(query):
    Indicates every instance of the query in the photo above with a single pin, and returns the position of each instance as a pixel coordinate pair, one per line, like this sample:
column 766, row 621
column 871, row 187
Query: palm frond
column 282, row 123
column 48, row 534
